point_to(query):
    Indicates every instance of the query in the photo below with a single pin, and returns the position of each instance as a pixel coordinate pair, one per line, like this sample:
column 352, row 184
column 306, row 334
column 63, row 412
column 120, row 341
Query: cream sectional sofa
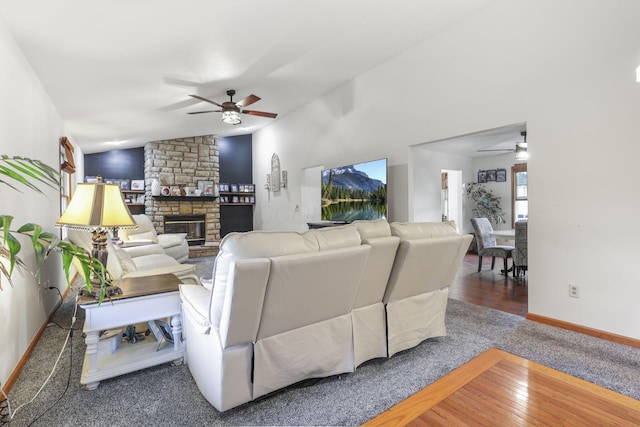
column 125, row 264
column 286, row 306
column 144, row 240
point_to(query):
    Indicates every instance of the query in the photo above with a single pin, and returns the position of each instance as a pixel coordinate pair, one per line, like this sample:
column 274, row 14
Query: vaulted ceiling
column 120, row 72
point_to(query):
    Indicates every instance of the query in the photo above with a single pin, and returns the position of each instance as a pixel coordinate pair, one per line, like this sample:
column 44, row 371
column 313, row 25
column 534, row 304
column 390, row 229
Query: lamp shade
column 95, row 206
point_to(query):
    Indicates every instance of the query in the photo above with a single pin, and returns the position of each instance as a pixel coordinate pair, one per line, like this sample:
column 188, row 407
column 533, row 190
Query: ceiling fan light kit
column 231, row 110
column 521, row 152
column 231, row 117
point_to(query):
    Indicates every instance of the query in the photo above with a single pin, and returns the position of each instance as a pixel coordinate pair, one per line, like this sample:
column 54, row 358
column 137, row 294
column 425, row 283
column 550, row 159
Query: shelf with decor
column 133, row 197
column 237, row 194
column 237, row 199
column 134, row 200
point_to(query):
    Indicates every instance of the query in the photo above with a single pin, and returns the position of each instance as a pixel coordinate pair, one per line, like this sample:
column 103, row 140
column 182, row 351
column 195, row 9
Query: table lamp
column 97, row 207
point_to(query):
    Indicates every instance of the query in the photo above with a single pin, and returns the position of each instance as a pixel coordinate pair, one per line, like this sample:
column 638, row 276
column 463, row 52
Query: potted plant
column 485, row 203
column 17, row 172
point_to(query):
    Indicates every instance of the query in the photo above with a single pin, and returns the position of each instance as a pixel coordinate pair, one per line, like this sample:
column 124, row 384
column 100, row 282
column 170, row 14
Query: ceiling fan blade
column 206, row 100
column 248, row 101
column 208, row 111
column 498, row 149
column 259, row 113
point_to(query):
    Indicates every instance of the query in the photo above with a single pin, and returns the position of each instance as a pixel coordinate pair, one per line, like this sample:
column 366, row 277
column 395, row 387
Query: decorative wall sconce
column 276, row 179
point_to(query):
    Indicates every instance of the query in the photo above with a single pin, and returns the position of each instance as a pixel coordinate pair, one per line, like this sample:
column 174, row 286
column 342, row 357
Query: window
column 519, row 193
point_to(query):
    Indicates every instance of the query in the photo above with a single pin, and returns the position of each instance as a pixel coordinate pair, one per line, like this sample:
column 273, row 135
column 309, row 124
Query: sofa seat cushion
column 151, row 261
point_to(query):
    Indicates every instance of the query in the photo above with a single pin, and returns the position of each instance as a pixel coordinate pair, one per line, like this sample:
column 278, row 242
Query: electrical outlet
column 574, row 291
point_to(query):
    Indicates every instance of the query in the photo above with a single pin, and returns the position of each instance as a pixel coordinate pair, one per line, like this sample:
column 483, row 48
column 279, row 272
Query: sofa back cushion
column 372, row 229
column 335, row 237
column 424, row 265
column 305, row 289
column 250, row 245
column 145, row 230
column 377, row 234
column 417, row 230
column 428, row 258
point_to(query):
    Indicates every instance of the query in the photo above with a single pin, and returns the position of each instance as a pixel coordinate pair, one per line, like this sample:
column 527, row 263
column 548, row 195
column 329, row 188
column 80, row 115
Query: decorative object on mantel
column 155, row 187
column 276, row 179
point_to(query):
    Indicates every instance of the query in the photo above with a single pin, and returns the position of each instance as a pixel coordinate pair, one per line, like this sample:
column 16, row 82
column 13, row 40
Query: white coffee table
column 142, row 299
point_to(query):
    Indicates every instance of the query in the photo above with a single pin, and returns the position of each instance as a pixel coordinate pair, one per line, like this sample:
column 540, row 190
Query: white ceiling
column 122, row 70
column 490, row 142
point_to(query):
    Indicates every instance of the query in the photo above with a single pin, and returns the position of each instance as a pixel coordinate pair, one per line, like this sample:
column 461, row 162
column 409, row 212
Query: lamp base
column 95, row 291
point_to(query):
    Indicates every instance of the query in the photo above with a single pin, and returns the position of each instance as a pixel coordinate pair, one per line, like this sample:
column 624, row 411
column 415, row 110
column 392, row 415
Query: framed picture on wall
column 501, row 175
column 124, row 184
column 482, row 176
column 137, row 184
column 491, row 175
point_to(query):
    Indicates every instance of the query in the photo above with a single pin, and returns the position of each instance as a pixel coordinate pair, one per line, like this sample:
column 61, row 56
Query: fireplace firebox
column 193, row 225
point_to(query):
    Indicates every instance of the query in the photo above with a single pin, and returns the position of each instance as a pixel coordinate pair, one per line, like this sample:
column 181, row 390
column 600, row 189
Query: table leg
column 92, row 356
column 176, row 330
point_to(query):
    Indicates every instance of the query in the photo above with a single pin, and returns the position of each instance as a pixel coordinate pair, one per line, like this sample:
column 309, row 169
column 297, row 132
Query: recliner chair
column 173, row 244
column 486, row 244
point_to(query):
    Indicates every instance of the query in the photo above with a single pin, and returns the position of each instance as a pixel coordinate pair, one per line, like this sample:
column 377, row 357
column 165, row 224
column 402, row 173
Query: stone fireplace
column 192, row 225
column 179, row 163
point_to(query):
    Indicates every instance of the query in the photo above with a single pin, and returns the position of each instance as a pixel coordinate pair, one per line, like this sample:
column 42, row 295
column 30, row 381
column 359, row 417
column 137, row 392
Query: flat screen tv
column 355, row 192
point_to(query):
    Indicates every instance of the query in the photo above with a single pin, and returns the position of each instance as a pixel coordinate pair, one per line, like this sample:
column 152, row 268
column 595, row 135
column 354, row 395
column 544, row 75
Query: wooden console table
column 142, row 299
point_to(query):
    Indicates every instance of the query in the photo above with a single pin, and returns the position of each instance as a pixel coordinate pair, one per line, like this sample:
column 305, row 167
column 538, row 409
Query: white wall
column 426, row 167
column 30, row 127
column 500, row 189
column 566, row 69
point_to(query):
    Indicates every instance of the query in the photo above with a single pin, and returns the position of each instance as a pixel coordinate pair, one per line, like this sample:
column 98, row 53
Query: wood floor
column 501, row 389
column 490, row 288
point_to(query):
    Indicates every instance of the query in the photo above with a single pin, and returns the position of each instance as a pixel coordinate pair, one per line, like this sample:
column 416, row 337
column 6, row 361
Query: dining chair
column 520, row 251
column 487, row 245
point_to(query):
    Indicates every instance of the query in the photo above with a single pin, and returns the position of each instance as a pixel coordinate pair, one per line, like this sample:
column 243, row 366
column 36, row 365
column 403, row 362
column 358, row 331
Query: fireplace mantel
column 186, row 198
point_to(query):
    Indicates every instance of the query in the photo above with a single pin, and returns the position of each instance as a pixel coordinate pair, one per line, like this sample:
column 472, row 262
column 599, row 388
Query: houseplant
column 485, row 203
column 20, row 172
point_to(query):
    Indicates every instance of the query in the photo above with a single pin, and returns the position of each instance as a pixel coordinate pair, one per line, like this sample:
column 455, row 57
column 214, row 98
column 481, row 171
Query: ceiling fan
column 231, row 110
column 520, row 149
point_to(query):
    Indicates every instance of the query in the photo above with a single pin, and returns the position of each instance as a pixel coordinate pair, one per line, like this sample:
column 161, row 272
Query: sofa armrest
column 195, row 304
column 171, row 239
column 183, row 271
column 133, row 243
column 144, row 249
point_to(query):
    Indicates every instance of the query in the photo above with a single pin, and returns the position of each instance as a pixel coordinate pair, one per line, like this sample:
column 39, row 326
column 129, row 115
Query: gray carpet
column 167, row 395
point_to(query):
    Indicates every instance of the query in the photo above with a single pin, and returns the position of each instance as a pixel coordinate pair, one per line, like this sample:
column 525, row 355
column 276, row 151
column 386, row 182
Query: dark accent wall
column 116, row 164
column 236, row 166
